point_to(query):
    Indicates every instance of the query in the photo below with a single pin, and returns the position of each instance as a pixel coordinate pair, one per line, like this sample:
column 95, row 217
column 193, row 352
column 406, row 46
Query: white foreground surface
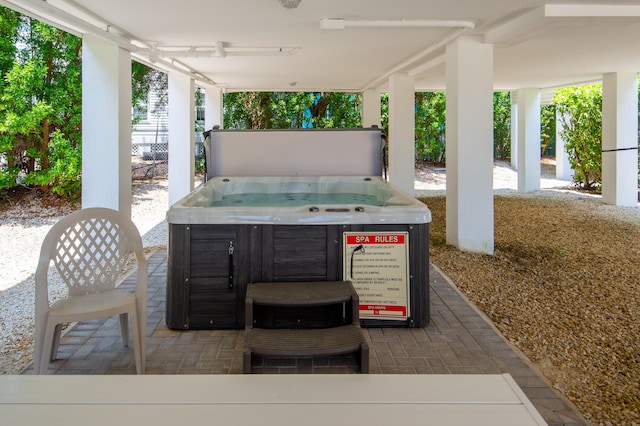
column 265, row 399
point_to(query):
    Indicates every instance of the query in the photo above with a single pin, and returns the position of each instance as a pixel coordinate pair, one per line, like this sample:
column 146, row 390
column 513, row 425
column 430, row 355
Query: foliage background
column 40, row 112
column 41, row 104
column 41, row 117
column 580, row 112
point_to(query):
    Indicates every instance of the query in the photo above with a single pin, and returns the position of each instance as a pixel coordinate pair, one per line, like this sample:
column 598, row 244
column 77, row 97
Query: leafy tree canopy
column 285, row 110
column 40, row 112
column 41, row 104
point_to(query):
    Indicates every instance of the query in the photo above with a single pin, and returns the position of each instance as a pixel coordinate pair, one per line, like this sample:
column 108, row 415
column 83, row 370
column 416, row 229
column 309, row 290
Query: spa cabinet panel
column 204, row 293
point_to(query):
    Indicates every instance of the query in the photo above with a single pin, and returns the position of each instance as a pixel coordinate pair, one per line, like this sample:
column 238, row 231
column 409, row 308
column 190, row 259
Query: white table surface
column 176, row 400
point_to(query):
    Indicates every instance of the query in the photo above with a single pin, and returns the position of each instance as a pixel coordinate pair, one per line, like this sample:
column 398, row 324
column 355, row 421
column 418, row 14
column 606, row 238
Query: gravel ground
column 23, row 227
column 563, row 285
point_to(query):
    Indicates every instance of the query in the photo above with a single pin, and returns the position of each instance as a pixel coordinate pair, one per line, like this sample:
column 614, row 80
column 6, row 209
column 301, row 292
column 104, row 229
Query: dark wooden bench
column 304, row 342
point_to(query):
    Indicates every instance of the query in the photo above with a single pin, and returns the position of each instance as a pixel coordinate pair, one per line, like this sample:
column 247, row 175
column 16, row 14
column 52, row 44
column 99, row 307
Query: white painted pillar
column 371, row 108
column 402, row 130
column 106, row 125
column 563, row 166
column 528, row 140
column 620, row 139
column 213, row 111
column 470, row 145
column 181, row 136
column 514, row 130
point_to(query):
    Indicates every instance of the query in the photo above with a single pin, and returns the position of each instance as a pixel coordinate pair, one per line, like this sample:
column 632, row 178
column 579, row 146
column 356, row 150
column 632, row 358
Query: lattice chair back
column 91, row 249
column 91, row 254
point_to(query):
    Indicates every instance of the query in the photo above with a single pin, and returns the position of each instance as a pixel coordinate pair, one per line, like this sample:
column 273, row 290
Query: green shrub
column 580, row 110
column 64, row 173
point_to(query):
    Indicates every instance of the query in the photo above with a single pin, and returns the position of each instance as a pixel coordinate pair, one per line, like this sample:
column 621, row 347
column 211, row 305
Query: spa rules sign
column 377, row 265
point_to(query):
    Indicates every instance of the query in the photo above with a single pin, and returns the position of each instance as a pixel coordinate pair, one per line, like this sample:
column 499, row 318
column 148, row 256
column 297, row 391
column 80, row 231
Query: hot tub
column 235, row 230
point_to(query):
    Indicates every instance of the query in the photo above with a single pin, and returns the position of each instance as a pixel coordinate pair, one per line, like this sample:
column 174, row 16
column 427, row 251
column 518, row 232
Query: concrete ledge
column 449, row 399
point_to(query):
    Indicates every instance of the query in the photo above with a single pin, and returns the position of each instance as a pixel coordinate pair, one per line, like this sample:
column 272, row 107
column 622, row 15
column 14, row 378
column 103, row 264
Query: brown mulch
column 149, row 169
column 564, row 287
column 34, row 202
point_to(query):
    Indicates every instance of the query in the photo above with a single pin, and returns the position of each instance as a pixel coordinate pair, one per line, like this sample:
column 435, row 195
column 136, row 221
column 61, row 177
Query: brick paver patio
column 458, row 340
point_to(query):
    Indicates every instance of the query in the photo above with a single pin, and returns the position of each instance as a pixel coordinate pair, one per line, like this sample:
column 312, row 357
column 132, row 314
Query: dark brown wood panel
column 200, row 293
column 300, row 251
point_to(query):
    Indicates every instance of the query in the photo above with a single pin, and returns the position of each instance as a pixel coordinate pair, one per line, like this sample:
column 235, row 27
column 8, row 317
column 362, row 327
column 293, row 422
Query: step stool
column 305, row 336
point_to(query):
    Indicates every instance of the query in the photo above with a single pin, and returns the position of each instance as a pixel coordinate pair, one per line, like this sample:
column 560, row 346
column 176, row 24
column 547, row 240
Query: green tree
column 547, row 128
column 9, row 23
column 41, row 102
column 502, row 125
column 430, row 120
column 580, row 110
column 291, row 110
column 336, row 110
column 246, row 110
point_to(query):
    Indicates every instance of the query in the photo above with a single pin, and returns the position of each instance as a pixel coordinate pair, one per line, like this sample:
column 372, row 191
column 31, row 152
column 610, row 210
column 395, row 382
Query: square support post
column 106, row 125
column 213, row 108
column 470, row 145
column 402, row 128
column 528, row 140
column 370, row 108
column 620, row 139
column 181, row 135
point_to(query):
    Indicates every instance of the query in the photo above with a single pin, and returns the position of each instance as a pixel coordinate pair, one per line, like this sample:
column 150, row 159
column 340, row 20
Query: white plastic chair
column 90, row 249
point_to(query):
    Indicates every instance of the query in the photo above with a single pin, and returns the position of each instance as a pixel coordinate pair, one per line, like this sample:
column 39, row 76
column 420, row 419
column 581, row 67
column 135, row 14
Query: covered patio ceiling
column 352, row 45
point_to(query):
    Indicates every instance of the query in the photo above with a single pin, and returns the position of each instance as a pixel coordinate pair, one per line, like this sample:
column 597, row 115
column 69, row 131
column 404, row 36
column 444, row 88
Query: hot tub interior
column 298, row 199
column 270, row 191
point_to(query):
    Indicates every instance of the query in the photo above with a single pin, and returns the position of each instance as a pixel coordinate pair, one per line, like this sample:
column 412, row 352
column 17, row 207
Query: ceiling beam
column 507, row 32
column 591, row 10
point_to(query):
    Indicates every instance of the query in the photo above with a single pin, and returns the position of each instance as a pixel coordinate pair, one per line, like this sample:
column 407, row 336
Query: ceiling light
column 290, row 4
column 332, row 24
column 341, row 24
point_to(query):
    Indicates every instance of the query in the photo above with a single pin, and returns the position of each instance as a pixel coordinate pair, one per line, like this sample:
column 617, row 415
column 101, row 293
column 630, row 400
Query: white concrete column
column 181, row 136
column 402, row 130
column 528, row 140
column 514, row 130
column 620, row 139
column 213, row 111
column 470, row 145
column 370, row 108
column 563, row 166
column 106, row 125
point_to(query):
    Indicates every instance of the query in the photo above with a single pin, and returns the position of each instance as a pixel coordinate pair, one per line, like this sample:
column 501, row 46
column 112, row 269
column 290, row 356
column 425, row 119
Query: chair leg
column 47, row 344
column 124, row 328
column 141, row 312
column 56, row 342
column 137, row 342
column 39, row 347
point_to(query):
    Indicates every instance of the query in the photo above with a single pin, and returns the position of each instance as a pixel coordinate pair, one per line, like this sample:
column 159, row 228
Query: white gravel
column 23, row 228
